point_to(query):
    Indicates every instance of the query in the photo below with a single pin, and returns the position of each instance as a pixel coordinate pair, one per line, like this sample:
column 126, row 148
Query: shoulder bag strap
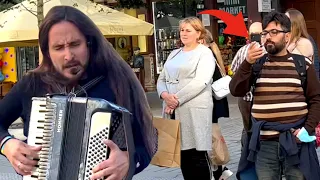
column 88, row 85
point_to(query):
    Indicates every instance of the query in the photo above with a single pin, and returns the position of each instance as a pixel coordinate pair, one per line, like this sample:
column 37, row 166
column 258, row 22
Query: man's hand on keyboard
column 115, row 167
column 20, row 154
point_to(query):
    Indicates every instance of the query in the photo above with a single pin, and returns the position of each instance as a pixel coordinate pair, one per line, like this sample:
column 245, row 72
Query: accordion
column 70, row 131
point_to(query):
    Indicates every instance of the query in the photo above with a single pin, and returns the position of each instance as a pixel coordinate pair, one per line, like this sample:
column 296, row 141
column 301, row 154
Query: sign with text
column 264, row 5
column 234, row 7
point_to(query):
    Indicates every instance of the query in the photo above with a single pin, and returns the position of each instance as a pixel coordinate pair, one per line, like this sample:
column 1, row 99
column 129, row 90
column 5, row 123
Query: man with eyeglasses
column 284, row 114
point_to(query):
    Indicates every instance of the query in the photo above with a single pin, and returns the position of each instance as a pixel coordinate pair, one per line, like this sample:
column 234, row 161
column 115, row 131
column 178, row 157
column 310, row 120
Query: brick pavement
column 231, row 129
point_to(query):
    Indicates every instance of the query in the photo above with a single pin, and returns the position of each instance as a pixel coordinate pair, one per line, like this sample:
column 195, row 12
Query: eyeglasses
column 272, row 32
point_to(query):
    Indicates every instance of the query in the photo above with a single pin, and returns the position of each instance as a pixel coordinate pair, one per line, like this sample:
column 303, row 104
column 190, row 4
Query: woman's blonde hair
column 195, row 23
column 208, row 38
column 298, row 25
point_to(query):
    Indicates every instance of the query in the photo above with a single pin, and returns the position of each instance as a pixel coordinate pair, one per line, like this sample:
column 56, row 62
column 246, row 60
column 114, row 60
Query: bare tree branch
column 28, row 9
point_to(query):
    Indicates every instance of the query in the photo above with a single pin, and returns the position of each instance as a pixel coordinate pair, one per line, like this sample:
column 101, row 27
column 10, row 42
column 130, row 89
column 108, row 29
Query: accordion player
column 70, row 131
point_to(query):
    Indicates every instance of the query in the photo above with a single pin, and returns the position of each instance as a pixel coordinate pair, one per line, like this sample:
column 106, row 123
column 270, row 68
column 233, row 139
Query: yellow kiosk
column 8, row 70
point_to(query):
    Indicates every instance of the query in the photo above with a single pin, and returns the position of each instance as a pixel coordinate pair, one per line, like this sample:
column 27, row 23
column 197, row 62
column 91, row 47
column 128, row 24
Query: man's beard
column 274, row 48
column 75, row 68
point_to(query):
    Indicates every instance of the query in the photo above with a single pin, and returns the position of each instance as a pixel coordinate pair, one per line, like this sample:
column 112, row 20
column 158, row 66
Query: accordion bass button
column 47, row 128
column 43, row 161
column 45, row 149
column 42, row 177
column 46, row 138
column 45, row 156
column 41, row 171
column 45, row 145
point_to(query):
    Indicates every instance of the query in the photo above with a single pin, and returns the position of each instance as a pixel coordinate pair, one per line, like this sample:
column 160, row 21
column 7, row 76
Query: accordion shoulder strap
column 88, row 85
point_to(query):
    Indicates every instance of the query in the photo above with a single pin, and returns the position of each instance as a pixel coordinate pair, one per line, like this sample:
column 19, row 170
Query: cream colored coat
column 192, row 85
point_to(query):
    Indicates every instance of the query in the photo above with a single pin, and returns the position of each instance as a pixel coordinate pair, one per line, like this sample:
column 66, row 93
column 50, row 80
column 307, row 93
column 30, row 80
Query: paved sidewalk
column 231, row 129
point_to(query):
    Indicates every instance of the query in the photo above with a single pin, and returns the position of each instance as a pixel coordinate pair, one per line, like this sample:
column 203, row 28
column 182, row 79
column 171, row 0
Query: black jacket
column 17, row 103
column 220, row 107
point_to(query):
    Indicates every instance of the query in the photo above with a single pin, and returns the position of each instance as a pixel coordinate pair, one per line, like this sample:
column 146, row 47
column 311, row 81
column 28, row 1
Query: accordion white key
column 71, row 130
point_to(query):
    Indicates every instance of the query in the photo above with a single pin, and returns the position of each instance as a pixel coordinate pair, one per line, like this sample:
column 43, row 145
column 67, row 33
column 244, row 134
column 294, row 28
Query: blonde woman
column 221, row 107
column 299, row 42
column 185, row 86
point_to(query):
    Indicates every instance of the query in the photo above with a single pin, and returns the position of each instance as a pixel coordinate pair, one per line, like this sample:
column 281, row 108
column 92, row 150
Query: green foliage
column 136, row 4
column 5, row 4
column 178, row 8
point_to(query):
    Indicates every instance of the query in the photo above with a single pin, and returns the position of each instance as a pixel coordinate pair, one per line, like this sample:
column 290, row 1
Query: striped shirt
column 279, row 96
column 240, row 56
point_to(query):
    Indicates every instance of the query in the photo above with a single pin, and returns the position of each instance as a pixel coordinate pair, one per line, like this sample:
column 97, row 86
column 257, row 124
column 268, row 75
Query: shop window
column 27, row 59
column 167, row 15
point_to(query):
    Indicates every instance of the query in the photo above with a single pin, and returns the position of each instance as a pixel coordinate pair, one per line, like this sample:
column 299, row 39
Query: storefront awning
column 18, row 25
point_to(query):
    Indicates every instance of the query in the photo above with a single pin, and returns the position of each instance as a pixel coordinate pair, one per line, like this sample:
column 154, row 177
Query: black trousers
column 195, row 165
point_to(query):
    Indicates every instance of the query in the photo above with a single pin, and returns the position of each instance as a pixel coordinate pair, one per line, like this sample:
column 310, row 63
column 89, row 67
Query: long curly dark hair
column 103, row 60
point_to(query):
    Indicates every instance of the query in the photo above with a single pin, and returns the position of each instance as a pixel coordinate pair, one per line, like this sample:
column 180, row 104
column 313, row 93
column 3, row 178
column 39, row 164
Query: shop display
column 27, row 58
column 167, row 41
column 166, row 30
column 229, row 45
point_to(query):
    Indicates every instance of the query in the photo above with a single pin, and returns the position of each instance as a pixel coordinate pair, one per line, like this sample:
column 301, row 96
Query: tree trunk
column 40, row 19
column 40, row 12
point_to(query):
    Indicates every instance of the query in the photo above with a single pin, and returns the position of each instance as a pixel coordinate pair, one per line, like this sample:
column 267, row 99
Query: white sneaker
column 226, row 174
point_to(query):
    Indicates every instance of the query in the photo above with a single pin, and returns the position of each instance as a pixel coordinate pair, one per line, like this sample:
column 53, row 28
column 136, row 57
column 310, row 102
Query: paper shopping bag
column 169, row 143
column 219, row 154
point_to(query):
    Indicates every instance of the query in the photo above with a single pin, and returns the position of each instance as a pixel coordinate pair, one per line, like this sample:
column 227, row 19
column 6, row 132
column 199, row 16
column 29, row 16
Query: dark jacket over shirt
column 17, row 103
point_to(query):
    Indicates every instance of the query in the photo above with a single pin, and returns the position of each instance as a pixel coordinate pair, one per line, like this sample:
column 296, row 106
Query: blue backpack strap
column 301, row 67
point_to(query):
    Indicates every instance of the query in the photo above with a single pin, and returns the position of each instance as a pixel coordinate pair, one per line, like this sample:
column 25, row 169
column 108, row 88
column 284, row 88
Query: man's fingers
column 111, row 145
column 26, row 168
column 102, row 173
column 257, row 56
column 100, row 166
column 112, row 177
column 256, row 51
column 35, row 148
column 21, row 172
column 26, row 161
column 18, row 167
column 296, row 132
column 252, row 45
column 30, row 153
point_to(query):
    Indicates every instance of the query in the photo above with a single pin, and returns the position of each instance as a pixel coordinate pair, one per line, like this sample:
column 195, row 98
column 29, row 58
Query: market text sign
column 233, row 6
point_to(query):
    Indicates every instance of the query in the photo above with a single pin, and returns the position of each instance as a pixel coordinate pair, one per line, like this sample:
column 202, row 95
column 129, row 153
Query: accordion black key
column 71, row 130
